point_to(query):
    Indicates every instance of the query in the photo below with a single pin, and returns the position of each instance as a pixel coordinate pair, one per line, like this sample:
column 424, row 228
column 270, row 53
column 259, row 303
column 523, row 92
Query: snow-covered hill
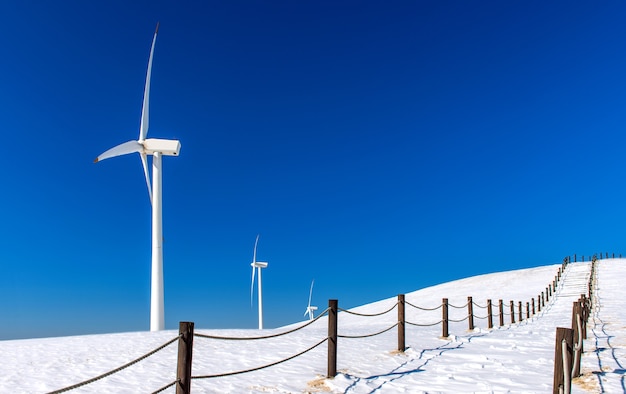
column 513, row 358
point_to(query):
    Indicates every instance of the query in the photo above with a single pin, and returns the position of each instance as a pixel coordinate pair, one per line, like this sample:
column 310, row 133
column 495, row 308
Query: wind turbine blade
column 254, row 254
column 252, row 286
column 306, row 311
column 144, row 161
column 311, row 293
column 121, row 149
column 145, row 110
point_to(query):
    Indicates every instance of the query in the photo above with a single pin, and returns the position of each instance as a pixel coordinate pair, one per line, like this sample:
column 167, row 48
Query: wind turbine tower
column 257, row 265
column 155, row 148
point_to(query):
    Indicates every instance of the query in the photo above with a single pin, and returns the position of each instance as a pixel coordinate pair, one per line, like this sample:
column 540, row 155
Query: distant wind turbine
column 310, row 309
column 257, row 265
column 156, row 148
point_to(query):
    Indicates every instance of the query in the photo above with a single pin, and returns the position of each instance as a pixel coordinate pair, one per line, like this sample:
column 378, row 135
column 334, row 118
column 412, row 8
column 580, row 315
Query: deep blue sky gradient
column 377, row 147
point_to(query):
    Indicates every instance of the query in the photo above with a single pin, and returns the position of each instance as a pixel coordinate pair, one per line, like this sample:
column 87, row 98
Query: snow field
column 512, row 358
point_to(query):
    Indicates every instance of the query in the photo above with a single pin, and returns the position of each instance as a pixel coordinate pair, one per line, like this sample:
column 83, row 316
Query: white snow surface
column 516, row 357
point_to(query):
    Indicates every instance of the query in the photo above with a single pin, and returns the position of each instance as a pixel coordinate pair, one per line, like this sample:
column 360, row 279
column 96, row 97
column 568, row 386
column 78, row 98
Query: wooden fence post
column 470, row 313
column 512, row 312
column 585, row 312
column 401, row 322
column 543, row 299
column 576, row 314
column 489, row 315
column 444, row 318
column 519, row 311
column 574, row 258
column 527, row 310
column 532, row 303
column 550, row 289
column 185, row 354
column 332, row 338
column 560, row 369
column 501, row 309
column 539, row 302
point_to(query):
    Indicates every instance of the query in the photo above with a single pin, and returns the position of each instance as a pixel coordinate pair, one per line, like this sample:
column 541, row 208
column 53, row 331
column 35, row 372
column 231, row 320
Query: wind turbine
column 156, row 148
column 257, row 265
column 310, row 309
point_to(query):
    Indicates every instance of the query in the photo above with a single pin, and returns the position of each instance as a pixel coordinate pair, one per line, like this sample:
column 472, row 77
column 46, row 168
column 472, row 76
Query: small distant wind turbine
column 257, row 265
column 156, row 148
column 310, row 309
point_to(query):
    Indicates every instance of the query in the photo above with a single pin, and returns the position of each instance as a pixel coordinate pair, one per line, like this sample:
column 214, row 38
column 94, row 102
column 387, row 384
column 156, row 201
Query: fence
column 186, row 332
column 568, row 347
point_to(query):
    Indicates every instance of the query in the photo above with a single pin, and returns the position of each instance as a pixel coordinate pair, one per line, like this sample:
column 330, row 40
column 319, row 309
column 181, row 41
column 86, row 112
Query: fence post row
column 401, row 323
column 444, row 318
column 470, row 313
column 332, row 338
column 563, row 349
column 185, row 353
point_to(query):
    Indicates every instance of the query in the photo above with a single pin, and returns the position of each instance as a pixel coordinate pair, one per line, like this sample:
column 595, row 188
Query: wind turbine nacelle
column 164, row 147
column 259, row 264
column 313, row 308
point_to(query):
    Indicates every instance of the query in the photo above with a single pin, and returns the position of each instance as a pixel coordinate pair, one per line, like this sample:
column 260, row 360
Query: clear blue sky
column 377, row 147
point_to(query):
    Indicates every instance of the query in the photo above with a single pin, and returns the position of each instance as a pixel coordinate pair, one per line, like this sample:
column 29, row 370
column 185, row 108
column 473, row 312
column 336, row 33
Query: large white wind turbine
column 310, row 309
column 257, row 265
column 156, row 148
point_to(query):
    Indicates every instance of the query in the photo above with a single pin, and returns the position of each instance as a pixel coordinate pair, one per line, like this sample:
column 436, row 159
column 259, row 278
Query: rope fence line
column 261, row 367
column 479, row 306
column 459, row 307
column 166, row 386
column 116, row 370
column 423, row 325
column 368, row 335
column 265, row 336
column 421, row 308
column 369, row 314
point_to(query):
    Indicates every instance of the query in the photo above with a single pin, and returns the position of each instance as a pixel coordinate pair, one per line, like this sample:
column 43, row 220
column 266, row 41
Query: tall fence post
column 401, row 322
column 444, row 318
column 519, row 312
column 564, row 337
column 543, row 299
column 332, row 338
column 539, row 303
column 512, row 312
column 489, row 315
column 532, row 303
column 501, row 310
column 527, row 310
column 585, row 312
column 470, row 313
column 576, row 315
column 185, row 354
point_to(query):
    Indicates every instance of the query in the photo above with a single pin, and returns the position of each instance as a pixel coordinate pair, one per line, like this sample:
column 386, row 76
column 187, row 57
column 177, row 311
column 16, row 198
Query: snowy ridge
column 512, row 358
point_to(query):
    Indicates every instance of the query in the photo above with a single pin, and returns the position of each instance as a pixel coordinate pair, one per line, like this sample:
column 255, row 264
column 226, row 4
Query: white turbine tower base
column 156, row 148
column 257, row 265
